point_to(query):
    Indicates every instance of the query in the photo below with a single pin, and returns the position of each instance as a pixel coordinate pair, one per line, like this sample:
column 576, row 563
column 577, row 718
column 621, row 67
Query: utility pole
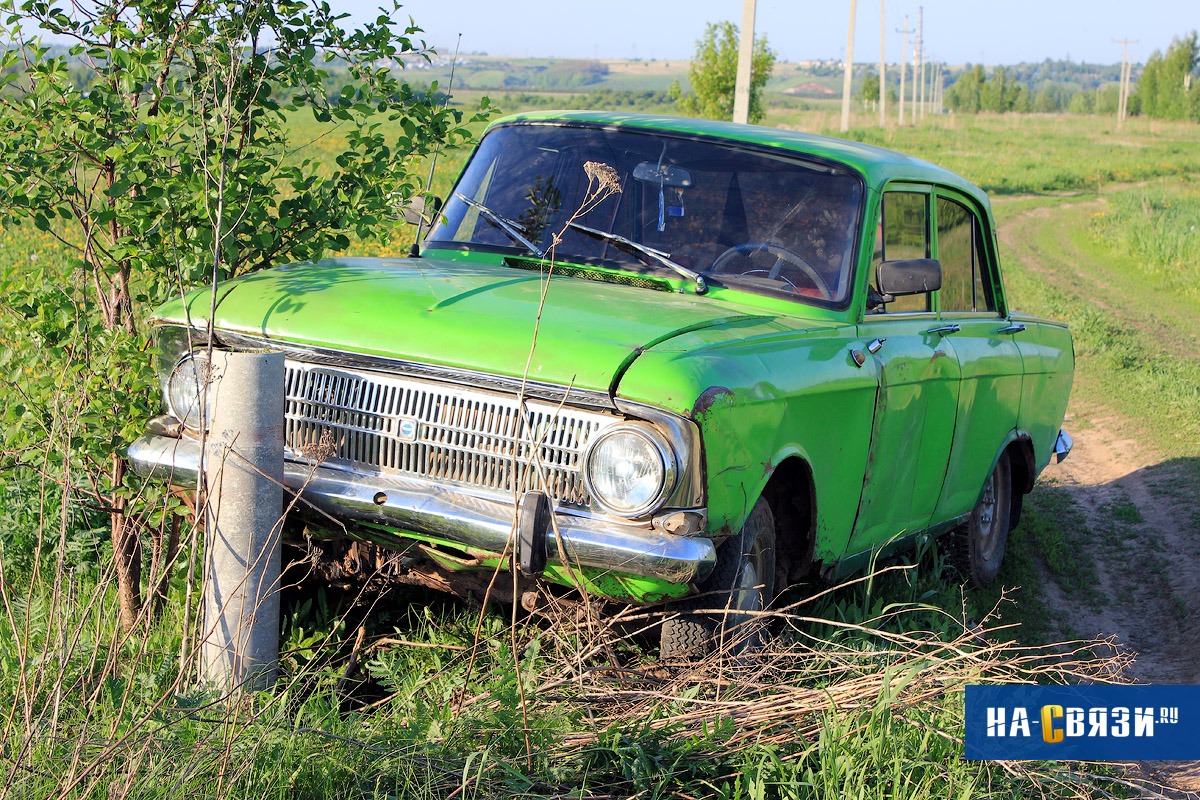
column 921, row 58
column 741, row 91
column 929, row 97
column 1126, row 71
column 912, row 112
column 848, row 76
column 882, row 68
column 938, row 86
column 903, row 65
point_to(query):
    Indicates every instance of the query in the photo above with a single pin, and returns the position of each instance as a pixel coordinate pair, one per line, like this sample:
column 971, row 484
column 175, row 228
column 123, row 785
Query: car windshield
column 762, row 221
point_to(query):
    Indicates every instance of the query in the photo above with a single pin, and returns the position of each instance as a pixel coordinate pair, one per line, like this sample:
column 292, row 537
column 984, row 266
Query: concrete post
column 745, row 64
column 244, row 484
column 848, row 75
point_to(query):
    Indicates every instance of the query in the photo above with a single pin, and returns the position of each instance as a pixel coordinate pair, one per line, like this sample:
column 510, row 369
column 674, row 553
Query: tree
column 1083, row 102
column 713, row 75
column 1167, row 88
column 175, row 165
column 868, row 93
column 996, row 93
column 1051, row 98
column 964, row 95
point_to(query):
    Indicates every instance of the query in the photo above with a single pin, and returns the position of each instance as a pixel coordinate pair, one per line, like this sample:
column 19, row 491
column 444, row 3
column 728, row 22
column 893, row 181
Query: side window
column 904, row 233
column 959, row 250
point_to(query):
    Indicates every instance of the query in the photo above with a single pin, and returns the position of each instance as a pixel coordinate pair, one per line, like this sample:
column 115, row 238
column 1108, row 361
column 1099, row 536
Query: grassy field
column 413, row 695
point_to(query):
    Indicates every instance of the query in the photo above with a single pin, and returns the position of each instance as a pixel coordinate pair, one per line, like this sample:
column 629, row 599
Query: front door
column 915, row 411
column 917, row 401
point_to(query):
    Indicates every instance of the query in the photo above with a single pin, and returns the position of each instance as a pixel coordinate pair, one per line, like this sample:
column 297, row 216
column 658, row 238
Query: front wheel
column 742, row 584
column 978, row 545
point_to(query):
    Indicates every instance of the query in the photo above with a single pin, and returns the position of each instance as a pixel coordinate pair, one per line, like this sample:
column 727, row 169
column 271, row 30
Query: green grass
column 1158, row 226
column 1020, row 154
column 1134, row 333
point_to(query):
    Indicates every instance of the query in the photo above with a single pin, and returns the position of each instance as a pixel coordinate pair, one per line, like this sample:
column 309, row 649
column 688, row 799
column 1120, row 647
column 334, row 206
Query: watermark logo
column 1083, row 722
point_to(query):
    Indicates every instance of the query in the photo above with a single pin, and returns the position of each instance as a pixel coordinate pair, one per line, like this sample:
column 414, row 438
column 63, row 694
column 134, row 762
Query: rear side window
column 960, row 252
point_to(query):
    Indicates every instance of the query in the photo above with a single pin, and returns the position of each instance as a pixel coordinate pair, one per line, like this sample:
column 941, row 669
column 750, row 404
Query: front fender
column 761, row 399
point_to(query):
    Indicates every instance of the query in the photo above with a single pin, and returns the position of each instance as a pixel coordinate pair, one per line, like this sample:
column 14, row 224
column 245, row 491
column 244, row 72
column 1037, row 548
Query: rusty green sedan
column 653, row 360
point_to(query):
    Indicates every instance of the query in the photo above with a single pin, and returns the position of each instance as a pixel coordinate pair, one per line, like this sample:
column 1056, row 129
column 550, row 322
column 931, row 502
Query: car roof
column 877, row 165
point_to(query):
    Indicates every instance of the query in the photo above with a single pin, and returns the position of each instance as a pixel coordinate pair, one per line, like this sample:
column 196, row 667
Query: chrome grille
column 383, row 424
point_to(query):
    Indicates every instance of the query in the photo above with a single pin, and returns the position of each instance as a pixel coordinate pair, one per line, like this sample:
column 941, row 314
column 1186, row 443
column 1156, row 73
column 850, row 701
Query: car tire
column 978, row 545
column 742, row 581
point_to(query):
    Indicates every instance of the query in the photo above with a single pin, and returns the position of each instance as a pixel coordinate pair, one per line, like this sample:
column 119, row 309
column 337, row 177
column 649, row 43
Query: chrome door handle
column 942, row 330
column 1016, row 327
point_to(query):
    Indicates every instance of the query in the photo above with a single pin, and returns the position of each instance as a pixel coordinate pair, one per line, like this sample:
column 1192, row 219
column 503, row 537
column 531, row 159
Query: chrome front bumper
column 448, row 513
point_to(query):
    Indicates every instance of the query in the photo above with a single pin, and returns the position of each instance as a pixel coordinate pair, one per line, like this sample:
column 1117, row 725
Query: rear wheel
column 978, row 545
column 742, row 584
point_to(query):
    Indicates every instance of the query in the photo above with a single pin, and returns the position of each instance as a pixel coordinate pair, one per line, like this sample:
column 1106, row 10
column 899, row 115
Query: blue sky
column 956, row 31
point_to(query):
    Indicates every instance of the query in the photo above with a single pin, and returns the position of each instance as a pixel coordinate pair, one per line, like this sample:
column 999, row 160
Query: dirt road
column 1140, row 505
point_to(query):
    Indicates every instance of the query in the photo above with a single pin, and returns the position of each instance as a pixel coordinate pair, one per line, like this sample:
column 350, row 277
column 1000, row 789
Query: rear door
column 972, row 317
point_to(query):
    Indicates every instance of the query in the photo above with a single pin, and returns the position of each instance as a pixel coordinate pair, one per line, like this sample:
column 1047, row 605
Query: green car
column 650, row 359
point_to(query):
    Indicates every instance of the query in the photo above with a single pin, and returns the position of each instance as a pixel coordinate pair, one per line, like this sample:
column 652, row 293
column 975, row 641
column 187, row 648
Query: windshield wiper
column 648, row 252
column 511, row 229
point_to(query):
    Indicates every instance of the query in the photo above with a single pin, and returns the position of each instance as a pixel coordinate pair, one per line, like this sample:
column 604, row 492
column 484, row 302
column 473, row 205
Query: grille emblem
column 406, row 430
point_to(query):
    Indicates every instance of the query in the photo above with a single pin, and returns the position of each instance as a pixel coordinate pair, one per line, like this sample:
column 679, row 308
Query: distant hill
column 503, row 73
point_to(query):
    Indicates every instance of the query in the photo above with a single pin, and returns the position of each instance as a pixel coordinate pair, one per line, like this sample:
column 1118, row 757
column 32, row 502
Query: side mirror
column 909, row 276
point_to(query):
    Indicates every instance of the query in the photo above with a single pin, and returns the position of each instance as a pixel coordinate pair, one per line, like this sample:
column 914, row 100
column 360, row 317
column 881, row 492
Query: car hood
column 461, row 315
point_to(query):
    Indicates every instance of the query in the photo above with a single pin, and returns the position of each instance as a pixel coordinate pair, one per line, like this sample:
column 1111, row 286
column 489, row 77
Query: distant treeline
column 1170, row 84
column 552, row 75
column 604, row 99
column 1167, row 87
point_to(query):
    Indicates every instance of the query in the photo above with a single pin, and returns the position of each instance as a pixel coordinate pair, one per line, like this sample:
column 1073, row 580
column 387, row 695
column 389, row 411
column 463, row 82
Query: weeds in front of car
column 859, row 693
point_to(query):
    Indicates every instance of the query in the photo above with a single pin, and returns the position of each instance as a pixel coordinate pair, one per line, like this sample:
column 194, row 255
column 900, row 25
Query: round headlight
column 187, row 390
column 629, row 469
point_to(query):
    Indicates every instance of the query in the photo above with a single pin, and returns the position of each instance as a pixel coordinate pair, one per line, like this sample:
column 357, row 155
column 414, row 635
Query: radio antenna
column 415, row 252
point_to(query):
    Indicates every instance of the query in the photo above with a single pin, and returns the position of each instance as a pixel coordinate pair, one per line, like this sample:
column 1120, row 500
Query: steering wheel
column 782, row 256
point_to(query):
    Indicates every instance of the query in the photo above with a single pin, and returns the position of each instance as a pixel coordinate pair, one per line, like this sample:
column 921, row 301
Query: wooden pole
column 903, row 65
column 848, row 76
column 920, row 62
column 882, row 67
column 745, row 71
column 1126, row 74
